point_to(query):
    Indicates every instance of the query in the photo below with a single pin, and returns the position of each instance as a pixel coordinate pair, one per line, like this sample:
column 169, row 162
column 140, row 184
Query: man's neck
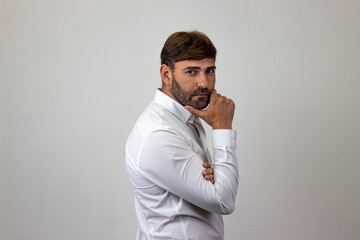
column 167, row 91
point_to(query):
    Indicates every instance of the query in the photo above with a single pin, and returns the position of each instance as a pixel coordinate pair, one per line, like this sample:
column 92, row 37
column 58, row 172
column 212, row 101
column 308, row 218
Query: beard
column 185, row 97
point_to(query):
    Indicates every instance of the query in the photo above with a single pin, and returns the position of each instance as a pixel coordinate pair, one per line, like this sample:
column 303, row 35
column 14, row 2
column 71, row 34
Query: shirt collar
column 174, row 107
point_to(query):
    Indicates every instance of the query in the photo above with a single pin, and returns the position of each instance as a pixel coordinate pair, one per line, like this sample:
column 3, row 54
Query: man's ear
column 165, row 73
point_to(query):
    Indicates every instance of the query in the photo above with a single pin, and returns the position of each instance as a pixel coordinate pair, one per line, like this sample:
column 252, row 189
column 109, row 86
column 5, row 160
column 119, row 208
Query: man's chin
column 200, row 103
column 199, row 106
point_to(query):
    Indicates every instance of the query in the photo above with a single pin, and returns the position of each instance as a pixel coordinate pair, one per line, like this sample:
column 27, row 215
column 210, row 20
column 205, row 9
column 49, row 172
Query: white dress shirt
column 164, row 157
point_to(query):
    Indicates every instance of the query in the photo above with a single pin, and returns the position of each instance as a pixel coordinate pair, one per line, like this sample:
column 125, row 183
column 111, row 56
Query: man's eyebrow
column 197, row 68
column 191, row 68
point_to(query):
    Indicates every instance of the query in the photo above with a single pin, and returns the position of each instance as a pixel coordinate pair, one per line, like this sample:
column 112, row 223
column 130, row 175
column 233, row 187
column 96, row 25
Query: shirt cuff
column 224, row 138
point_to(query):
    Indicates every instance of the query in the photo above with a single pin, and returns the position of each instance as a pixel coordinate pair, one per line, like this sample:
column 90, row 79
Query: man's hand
column 219, row 114
column 208, row 173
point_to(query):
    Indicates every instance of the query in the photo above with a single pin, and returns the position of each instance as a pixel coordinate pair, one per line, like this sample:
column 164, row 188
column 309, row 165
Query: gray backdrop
column 75, row 75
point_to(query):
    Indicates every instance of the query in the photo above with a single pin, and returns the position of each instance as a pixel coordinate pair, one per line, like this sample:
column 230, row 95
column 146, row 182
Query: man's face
column 193, row 81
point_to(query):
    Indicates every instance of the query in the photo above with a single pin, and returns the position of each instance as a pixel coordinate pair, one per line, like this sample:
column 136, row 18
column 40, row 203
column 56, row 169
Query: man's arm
column 169, row 162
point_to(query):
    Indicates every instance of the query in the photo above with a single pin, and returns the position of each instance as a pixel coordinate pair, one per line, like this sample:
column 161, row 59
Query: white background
column 76, row 74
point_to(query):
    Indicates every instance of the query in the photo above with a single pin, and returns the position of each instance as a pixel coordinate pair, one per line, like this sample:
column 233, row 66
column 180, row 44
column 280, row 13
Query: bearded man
column 180, row 191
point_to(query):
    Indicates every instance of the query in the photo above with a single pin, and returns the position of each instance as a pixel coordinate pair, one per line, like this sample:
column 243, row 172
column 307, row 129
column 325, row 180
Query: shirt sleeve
column 168, row 161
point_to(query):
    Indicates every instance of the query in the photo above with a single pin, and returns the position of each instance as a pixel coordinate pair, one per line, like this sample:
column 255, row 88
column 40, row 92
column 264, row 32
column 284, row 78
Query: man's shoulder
column 154, row 118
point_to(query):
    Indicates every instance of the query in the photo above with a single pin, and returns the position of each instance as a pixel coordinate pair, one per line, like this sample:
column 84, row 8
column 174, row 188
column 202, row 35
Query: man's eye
column 191, row 72
column 210, row 71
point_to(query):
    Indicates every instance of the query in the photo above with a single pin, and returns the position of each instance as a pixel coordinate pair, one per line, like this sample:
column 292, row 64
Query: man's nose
column 202, row 81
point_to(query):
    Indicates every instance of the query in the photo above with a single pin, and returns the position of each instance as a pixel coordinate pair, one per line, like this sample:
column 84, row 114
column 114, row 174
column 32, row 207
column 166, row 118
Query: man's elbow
column 226, row 209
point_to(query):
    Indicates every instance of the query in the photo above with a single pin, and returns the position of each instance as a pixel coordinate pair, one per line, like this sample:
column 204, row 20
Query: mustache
column 201, row 91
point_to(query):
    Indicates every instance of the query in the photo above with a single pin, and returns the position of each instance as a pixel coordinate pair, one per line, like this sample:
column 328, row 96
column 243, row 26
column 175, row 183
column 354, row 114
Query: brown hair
column 181, row 46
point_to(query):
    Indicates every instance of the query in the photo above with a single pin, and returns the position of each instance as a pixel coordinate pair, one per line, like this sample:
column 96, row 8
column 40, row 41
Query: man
column 177, row 193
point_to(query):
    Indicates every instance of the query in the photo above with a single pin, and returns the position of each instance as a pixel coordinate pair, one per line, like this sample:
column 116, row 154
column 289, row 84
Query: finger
column 206, row 165
column 213, row 95
column 212, row 181
column 214, row 92
column 199, row 113
column 207, row 171
column 209, row 177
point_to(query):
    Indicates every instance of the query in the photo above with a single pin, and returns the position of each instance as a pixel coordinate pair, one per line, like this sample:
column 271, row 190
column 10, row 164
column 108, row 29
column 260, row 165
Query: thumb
column 194, row 111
